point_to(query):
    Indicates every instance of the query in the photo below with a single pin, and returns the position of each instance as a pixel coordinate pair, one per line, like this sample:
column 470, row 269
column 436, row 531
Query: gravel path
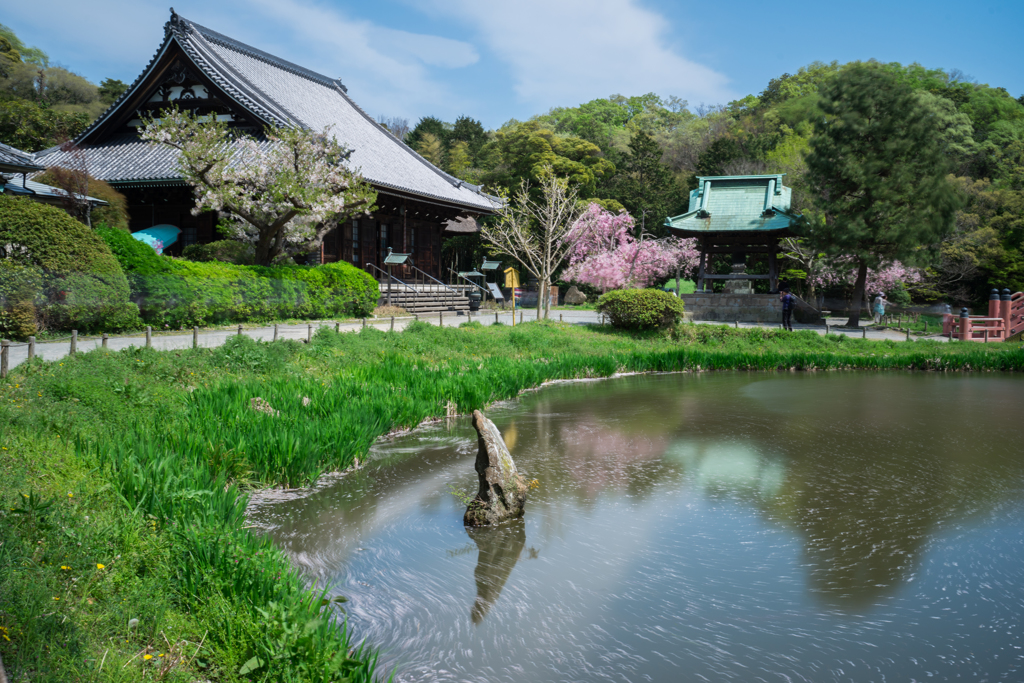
column 55, row 350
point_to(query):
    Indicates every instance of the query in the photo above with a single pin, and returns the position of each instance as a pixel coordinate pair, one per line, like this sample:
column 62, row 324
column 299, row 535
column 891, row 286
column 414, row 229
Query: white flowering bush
column 284, row 190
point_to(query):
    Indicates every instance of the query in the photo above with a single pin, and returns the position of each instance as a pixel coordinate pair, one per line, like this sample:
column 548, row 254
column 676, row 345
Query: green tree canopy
column 110, row 89
column 524, row 150
column 877, row 174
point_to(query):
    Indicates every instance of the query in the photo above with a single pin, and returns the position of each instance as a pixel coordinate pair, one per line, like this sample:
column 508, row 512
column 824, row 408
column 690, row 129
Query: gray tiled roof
column 281, row 93
column 15, row 161
column 45, row 193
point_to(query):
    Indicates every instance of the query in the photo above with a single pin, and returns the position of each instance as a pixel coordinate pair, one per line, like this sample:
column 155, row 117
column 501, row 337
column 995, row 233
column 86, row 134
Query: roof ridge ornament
column 177, row 25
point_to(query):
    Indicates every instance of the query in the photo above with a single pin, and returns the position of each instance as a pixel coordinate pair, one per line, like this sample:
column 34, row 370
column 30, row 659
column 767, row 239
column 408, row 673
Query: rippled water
column 724, row 527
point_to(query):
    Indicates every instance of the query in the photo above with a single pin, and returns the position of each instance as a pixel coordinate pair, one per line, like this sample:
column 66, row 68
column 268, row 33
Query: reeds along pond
column 319, row 407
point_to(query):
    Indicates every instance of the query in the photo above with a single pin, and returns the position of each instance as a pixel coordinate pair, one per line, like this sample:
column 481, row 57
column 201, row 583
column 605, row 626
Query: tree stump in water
column 503, row 490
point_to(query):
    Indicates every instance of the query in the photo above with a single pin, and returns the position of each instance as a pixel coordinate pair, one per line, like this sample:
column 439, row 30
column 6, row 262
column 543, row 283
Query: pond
column 709, row 527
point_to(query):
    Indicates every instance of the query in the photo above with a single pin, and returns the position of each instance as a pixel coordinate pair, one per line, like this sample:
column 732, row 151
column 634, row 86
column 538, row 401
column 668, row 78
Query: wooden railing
column 1004, row 320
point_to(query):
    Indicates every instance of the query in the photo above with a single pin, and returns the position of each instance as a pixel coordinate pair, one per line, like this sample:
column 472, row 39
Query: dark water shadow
column 499, row 549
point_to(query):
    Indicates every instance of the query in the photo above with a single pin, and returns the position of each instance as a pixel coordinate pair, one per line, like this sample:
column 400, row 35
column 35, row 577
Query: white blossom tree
column 536, row 230
column 285, row 191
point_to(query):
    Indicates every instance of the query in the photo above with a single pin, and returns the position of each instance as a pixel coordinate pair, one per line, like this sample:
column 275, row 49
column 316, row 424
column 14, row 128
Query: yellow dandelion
column 55, row 598
column 161, row 654
column 147, row 656
column 70, row 495
column 100, row 566
column 65, row 567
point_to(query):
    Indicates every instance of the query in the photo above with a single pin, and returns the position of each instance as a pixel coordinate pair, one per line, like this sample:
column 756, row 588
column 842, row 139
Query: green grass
column 157, row 449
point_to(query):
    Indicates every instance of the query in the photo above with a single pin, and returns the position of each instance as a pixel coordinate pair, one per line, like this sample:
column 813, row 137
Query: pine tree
column 877, row 174
column 646, row 183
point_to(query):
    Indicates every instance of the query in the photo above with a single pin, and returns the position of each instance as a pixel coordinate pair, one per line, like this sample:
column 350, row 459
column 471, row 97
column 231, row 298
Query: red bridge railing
column 1004, row 320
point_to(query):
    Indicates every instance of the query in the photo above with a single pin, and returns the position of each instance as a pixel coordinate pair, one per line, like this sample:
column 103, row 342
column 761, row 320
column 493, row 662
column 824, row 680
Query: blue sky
column 500, row 60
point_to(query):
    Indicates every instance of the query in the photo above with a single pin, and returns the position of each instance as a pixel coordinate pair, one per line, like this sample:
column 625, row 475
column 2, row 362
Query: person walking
column 879, row 308
column 788, row 301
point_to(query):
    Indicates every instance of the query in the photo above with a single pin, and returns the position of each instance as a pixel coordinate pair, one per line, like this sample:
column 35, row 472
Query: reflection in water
column 735, row 526
column 500, row 548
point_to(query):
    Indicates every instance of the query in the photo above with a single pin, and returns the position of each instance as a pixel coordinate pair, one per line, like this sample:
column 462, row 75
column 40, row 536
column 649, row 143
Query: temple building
column 743, row 218
column 211, row 74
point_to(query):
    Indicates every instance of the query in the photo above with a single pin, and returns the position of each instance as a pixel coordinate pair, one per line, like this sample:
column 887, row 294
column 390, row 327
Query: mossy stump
column 503, row 490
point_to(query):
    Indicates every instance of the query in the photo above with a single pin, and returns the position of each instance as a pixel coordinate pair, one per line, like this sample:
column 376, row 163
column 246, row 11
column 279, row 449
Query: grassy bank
column 124, row 476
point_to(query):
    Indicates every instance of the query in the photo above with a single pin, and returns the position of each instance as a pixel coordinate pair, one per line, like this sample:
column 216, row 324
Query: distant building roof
column 15, row 161
column 733, row 204
column 38, row 191
column 271, row 90
column 462, row 226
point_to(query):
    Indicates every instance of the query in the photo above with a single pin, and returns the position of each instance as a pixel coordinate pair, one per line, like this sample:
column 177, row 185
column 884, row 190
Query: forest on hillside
column 643, row 154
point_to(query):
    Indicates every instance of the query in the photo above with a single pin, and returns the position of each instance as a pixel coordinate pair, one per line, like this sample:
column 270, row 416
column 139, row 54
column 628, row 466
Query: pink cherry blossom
column 607, row 255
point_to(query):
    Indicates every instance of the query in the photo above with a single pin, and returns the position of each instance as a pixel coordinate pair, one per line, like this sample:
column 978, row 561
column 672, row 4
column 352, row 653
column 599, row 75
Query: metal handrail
column 392, row 278
column 485, row 292
column 454, row 292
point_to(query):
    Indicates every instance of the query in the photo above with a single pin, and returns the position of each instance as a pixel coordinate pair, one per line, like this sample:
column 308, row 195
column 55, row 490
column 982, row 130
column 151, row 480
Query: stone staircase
column 424, row 299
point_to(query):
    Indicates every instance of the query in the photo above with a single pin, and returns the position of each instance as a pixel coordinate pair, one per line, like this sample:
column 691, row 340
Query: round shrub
column 20, row 287
column 640, row 309
column 82, row 286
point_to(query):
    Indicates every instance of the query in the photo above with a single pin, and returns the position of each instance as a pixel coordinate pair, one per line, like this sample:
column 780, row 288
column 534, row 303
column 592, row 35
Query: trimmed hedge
column 641, row 309
column 57, row 274
column 229, row 251
column 180, row 293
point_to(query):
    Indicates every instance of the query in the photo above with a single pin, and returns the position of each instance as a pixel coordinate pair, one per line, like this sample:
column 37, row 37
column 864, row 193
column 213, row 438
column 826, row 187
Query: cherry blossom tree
column 885, row 278
column 285, row 190
column 605, row 253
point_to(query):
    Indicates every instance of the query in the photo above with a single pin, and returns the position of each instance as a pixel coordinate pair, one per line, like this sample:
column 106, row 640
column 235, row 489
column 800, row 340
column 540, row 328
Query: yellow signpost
column 512, row 282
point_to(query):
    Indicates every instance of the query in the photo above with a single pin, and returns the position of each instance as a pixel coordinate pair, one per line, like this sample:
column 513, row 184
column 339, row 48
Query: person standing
column 879, row 308
column 788, row 301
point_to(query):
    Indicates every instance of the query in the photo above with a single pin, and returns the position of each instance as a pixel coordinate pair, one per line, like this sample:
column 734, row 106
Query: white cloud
column 563, row 52
column 387, row 70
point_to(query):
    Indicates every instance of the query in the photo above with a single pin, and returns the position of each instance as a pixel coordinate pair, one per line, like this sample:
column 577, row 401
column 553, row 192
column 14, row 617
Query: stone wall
column 727, row 308
column 746, row 308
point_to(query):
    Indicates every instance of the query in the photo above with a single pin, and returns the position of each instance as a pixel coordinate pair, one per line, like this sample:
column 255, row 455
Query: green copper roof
column 755, row 203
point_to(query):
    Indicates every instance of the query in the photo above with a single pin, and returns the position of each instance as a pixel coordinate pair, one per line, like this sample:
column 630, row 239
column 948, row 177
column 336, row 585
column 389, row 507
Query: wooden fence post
column 309, row 333
column 364, row 323
column 31, row 348
column 74, row 342
column 239, row 329
column 863, row 333
column 5, row 347
column 195, row 337
column 149, row 336
column 275, row 331
column 440, row 319
column 392, row 323
column 337, row 326
column 105, row 340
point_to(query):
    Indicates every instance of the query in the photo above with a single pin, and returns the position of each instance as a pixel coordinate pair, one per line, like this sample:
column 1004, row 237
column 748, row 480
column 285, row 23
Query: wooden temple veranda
column 201, row 70
column 743, row 217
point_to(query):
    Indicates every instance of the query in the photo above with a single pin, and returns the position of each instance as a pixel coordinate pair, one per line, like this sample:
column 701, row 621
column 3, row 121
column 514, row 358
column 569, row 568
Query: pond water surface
column 720, row 527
